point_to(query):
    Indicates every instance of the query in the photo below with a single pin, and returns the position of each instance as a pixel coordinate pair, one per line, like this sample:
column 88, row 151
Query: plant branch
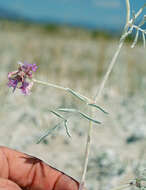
column 128, row 12
column 48, row 132
column 140, row 29
column 49, row 84
column 81, row 97
column 98, row 94
column 138, row 13
column 87, row 151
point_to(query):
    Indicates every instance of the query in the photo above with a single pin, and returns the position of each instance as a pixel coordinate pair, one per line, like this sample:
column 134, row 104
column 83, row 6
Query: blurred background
column 72, row 43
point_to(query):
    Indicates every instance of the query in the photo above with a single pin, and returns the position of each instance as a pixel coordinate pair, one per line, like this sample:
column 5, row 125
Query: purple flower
column 13, row 83
column 27, row 68
column 25, row 71
column 26, row 87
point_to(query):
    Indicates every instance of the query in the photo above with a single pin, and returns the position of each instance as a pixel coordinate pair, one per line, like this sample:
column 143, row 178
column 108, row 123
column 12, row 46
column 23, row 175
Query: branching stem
column 80, row 96
column 128, row 12
column 98, row 94
column 140, row 29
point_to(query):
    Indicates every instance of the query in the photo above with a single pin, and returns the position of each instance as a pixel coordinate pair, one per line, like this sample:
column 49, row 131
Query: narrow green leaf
column 77, row 95
column 47, row 133
column 60, row 116
column 66, row 128
column 57, row 114
column 89, row 118
column 67, row 110
column 98, row 107
column 77, row 111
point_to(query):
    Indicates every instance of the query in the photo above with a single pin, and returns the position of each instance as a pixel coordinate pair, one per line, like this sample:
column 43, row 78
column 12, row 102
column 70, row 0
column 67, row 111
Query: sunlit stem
column 140, row 29
column 138, row 13
column 81, row 97
column 49, row 84
column 97, row 96
column 74, row 93
column 128, row 12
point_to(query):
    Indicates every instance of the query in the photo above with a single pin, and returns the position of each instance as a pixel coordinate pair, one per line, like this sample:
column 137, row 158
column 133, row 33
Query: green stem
column 49, row 84
column 81, row 97
column 128, row 12
column 97, row 96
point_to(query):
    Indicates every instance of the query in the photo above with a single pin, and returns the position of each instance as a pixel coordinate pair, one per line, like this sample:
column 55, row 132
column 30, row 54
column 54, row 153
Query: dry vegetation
column 77, row 59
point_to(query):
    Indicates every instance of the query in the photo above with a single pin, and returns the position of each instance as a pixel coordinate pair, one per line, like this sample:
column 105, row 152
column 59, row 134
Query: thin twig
column 138, row 13
column 135, row 39
column 128, row 12
column 111, row 65
column 140, row 29
column 49, row 84
column 87, row 151
column 48, row 132
column 81, row 97
column 76, row 94
column 97, row 96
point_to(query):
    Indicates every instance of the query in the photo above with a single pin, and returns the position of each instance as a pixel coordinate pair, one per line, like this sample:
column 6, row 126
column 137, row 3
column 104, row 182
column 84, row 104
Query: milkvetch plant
column 23, row 80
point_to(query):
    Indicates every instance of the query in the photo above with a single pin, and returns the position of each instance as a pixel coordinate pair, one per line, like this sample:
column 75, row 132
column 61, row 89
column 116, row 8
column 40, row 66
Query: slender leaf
column 81, row 113
column 57, row 114
column 67, row 110
column 89, row 118
column 66, row 128
column 48, row 133
column 98, row 107
column 82, row 98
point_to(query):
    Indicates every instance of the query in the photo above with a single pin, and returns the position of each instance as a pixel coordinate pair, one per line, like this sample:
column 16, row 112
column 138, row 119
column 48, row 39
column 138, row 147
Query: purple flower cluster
column 17, row 79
